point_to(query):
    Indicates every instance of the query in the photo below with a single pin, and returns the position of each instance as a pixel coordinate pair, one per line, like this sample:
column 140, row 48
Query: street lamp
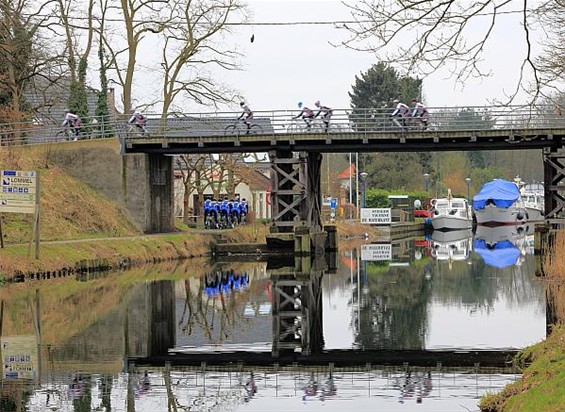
column 363, row 176
column 426, row 180
column 468, row 181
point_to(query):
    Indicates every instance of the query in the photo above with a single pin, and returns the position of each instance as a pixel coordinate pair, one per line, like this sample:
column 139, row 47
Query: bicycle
column 210, row 221
column 240, row 128
column 302, row 126
column 67, row 133
column 410, row 123
column 138, row 130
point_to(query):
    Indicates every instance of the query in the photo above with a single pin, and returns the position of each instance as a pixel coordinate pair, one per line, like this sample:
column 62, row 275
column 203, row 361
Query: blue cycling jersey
column 243, row 207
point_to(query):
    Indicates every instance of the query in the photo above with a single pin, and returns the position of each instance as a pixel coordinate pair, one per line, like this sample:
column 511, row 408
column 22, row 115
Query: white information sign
column 380, row 216
column 376, row 251
column 19, row 190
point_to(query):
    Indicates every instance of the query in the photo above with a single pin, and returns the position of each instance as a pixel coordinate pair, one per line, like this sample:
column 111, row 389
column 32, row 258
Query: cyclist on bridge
column 420, row 111
column 306, row 114
column 139, row 121
column 326, row 114
column 248, row 114
column 73, row 121
column 401, row 111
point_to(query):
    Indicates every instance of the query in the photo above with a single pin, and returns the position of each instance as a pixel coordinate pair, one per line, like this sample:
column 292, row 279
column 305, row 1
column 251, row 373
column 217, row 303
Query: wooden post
column 37, row 215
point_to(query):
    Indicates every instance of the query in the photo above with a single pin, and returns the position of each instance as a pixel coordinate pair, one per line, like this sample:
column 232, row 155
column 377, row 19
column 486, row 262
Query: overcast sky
column 287, row 64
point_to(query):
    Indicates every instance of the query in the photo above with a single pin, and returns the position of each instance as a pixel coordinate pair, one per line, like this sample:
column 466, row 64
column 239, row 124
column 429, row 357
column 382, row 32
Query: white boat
column 533, row 198
column 499, row 203
column 451, row 213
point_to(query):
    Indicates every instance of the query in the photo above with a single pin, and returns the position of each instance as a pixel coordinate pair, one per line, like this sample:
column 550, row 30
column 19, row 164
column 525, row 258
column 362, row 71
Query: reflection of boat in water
column 453, row 245
column 451, row 213
column 503, row 246
column 499, row 203
column 499, row 255
column 494, row 234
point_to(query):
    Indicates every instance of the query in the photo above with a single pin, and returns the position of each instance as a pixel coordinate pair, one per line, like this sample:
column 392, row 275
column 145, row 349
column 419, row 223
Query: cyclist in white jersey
column 401, row 111
column 248, row 114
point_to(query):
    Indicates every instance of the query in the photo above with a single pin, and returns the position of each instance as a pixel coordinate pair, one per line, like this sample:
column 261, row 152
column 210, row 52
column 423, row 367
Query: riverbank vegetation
column 542, row 387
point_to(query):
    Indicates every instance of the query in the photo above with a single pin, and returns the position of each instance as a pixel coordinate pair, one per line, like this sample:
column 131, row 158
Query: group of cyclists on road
column 226, row 213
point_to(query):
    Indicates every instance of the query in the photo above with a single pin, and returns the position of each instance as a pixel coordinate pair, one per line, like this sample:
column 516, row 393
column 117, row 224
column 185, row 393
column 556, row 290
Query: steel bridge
column 295, row 148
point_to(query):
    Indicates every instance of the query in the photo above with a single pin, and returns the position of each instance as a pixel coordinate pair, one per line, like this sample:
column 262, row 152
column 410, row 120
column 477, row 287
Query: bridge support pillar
column 296, row 201
column 161, row 197
column 554, row 174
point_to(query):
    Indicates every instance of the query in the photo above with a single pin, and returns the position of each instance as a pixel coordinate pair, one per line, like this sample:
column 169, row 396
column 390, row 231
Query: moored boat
column 451, row 213
column 533, row 198
column 499, row 203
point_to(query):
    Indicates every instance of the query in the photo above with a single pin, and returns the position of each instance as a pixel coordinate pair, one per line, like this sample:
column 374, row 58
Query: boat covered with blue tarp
column 499, row 192
column 499, row 202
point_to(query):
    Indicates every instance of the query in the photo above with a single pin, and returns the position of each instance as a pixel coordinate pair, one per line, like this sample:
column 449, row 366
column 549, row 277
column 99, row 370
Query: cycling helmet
column 242, row 103
column 395, row 101
column 299, row 104
column 317, row 103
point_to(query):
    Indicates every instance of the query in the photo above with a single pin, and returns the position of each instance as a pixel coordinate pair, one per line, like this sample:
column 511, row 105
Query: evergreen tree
column 78, row 102
column 372, row 99
column 373, row 94
column 102, row 112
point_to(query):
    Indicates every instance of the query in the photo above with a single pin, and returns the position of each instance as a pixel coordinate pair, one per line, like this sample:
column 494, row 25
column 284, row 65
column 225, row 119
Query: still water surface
column 66, row 342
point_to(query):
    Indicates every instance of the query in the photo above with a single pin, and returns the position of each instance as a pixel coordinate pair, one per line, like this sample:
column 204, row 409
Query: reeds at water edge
column 554, row 269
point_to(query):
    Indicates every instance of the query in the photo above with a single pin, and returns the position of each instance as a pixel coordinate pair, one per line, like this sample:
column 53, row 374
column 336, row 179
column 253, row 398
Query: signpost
column 20, row 194
column 376, row 251
column 378, row 216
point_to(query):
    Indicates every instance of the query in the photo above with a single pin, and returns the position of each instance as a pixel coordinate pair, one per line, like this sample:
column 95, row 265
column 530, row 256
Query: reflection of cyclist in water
column 417, row 384
column 311, row 388
column 329, row 388
column 143, row 385
column 76, row 388
column 250, row 388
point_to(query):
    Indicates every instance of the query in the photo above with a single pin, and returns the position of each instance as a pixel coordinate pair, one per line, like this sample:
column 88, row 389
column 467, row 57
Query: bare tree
column 24, row 56
column 192, row 43
column 192, row 169
column 77, row 53
column 140, row 18
column 189, row 33
column 551, row 60
column 425, row 35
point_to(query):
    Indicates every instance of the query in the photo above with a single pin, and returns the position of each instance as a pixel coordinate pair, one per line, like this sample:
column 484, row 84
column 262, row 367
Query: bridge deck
column 359, row 130
column 502, row 358
column 391, row 141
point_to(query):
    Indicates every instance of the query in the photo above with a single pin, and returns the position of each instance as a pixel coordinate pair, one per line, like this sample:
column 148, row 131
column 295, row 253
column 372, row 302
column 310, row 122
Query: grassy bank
column 542, row 387
column 118, row 252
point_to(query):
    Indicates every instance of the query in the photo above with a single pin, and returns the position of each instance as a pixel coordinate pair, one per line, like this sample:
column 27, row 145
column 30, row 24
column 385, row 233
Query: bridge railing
column 362, row 120
column 286, row 122
column 49, row 130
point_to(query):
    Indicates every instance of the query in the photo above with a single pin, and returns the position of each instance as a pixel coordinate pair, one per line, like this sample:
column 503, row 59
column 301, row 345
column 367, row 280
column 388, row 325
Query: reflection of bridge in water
column 297, row 332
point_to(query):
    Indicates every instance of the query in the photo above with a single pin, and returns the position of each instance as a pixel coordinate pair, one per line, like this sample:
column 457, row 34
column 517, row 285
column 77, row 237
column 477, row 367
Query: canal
column 383, row 326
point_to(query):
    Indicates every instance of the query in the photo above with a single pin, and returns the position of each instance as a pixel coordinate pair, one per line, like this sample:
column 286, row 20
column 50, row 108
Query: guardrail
column 358, row 120
column 362, row 120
